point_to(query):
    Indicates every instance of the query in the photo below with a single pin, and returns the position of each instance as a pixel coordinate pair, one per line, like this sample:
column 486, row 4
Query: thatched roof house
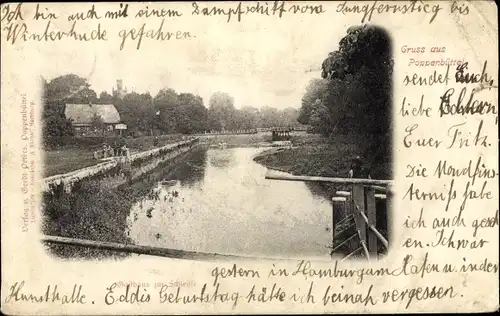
column 82, row 114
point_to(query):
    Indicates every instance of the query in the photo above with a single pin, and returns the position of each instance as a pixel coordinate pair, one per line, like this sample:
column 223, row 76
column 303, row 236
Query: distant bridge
column 277, row 129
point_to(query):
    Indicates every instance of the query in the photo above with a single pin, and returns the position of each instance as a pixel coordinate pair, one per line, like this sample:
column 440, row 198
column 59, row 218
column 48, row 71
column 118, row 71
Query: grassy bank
column 316, row 155
column 93, row 212
column 89, row 212
column 77, row 152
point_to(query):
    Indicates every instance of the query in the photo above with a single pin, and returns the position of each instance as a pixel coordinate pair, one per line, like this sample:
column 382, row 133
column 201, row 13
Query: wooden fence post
column 389, row 208
column 358, row 198
column 372, row 220
column 338, row 206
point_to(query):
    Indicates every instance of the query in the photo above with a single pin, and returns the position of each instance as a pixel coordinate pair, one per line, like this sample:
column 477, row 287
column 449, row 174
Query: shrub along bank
column 94, row 212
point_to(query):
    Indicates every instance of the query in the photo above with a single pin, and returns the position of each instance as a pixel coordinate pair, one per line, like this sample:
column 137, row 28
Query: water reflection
column 192, row 169
column 221, row 158
column 218, row 201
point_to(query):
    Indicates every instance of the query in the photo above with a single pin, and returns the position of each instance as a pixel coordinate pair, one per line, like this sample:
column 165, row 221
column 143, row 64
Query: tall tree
column 222, row 111
column 56, row 93
column 357, row 98
column 249, row 117
column 138, row 112
column 289, row 117
column 315, row 90
column 105, row 97
column 269, row 117
column 193, row 116
column 166, row 104
column 66, row 87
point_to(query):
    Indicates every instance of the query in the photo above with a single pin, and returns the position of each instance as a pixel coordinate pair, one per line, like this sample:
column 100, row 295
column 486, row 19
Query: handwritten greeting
column 468, row 181
column 16, row 23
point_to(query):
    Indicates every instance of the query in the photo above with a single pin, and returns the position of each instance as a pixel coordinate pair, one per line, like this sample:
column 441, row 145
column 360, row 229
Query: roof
column 83, row 113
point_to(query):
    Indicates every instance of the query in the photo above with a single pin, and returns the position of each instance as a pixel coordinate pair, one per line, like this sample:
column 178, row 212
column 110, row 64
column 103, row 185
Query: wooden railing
column 141, row 249
column 358, row 204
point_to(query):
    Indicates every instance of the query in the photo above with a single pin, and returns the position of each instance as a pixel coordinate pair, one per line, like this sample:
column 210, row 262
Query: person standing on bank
column 357, row 170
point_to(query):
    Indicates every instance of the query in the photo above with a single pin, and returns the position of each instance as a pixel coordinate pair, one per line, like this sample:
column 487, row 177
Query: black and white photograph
column 253, row 157
column 253, row 152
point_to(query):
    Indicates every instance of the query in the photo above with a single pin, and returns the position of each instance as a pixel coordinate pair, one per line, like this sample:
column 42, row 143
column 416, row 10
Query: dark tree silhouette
column 358, row 95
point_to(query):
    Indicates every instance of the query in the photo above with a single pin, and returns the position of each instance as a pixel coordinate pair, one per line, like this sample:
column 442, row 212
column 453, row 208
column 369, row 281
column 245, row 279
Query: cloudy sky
column 257, row 61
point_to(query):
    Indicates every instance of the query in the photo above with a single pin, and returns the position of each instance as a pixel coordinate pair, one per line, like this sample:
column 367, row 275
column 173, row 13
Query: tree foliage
column 315, row 90
column 222, row 113
column 354, row 96
column 97, row 123
column 137, row 111
column 166, row 112
column 54, row 122
column 105, row 97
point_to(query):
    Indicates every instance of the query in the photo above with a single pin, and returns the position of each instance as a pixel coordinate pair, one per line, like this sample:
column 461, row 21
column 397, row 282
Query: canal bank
column 111, row 172
column 213, row 201
column 93, row 203
column 315, row 155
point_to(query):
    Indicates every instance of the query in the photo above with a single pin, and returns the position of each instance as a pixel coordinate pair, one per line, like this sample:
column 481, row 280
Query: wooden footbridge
column 357, row 207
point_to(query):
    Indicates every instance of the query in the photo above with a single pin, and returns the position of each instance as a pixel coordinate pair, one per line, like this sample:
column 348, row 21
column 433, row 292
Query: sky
column 258, row 61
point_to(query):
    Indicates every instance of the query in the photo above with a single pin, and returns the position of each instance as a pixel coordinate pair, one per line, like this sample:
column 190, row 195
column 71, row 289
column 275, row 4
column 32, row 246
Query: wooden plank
column 358, row 196
column 334, row 210
column 343, row 193
column 339, row 199
column 344, row 242
column 389, row 207
column 348, row 217
column 371, row 214
column 342, row 205
column 378, row 188
column 374, row 230
column 141, row 249
column 337, row 207
column 365, row 249
column 348, row 227
column 351, row 254
column 288, row 177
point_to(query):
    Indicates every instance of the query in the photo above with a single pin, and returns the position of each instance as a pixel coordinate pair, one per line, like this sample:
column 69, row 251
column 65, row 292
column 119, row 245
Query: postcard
column 266, row 157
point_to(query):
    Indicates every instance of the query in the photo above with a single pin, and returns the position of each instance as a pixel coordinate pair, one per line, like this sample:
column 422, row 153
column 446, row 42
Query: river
column 218, row 201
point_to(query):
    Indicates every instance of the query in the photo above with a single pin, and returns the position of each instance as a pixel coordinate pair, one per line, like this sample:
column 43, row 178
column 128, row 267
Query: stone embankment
column 114, row 172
